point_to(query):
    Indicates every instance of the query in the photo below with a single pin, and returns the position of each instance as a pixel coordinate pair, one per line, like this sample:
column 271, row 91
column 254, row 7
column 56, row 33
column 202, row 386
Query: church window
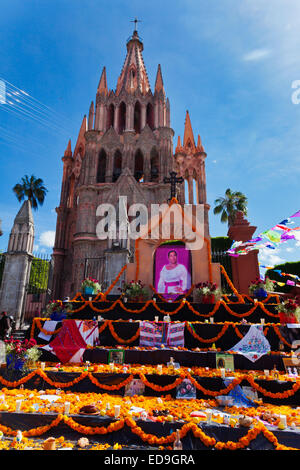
column 150, row 116
column 139, row 166
column 137, row 117
column 71, row 191
column 154, row 165
column 117, row 168
column 101, row 170
column 110, row 116
column 122, row 117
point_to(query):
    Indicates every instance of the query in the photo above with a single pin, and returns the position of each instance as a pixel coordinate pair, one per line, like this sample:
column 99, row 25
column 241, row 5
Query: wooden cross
column 173, row 180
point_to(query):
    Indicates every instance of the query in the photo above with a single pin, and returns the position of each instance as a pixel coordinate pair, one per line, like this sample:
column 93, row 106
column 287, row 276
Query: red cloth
column 68, row 341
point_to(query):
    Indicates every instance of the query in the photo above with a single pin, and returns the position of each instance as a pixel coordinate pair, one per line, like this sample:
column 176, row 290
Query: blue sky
column 230, row 63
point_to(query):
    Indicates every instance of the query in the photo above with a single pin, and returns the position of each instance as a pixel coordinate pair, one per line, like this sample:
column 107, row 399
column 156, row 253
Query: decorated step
column 138, row 420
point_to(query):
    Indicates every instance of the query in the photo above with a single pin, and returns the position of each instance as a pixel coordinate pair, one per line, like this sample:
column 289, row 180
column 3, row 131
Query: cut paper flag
column 272, row 236
column 297, row 214
column 278, row 234
column 254, row 344
column 237, row 393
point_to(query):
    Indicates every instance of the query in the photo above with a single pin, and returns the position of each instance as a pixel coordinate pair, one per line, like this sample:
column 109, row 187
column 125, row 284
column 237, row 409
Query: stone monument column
column 245, row 268
column 17, row 266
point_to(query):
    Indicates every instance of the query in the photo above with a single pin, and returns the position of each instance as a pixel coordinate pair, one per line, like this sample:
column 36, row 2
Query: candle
column 159, row 368
column 262, row 321
column 283, row 420
column 208, row 416
column 107, row 406
column 67, row 407
column 211, row 319
column 43, row 364
column 117, row 411
column 156, row 319
column 111, row 365
column 222, row 373
column 18, row 405
column 266, row 372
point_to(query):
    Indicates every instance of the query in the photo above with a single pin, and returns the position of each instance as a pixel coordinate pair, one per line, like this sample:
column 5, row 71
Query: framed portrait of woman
column 172, row 270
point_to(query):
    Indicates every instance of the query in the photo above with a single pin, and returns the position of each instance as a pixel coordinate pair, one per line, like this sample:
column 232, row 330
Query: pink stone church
column 124, row 147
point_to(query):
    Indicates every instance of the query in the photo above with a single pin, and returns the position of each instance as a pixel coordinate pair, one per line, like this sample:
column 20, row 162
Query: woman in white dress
column 173, row 276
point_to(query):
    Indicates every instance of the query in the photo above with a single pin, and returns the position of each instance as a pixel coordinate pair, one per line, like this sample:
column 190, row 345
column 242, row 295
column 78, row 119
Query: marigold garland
column 109, row 323
column 152, row 439
column 121, row 340
column 183, row 302
column 223, row 270
column 177, row 381
column 202, row 340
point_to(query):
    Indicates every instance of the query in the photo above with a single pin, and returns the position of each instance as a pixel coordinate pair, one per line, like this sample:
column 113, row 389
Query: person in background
column 5, row 325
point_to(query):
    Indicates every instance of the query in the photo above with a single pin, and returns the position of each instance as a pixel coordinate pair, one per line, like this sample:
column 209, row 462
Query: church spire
column 188, row 138
column 133, row 75
column 102, row 87
column 159, row 84
column 68, row 151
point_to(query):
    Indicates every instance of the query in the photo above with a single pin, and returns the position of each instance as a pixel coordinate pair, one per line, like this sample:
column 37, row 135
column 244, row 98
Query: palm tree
column 228, row 206
column 31, row 188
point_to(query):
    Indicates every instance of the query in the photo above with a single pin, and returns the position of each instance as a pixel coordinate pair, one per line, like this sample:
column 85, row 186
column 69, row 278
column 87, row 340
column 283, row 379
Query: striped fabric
column 175, row 334
column 168, row 334
column 151, row 334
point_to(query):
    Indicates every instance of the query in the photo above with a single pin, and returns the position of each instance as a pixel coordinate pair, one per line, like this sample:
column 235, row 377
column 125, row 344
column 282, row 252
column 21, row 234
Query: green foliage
column 229, row 205
column 31, row 188
column 39, row 274
column 290, row 267
column 220, row 243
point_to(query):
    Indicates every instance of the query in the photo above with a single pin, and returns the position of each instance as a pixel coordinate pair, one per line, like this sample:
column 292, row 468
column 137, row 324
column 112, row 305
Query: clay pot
column 49, row 444
column 245, row 421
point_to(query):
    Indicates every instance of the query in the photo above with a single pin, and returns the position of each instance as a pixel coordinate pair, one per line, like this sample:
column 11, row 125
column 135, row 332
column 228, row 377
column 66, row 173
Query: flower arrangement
column 91, row 285
column 208, row 291
column 19, row 354
column 54, row 306
column 289, row 311
column 259, row 287
column 134, row 290
column 57, row 309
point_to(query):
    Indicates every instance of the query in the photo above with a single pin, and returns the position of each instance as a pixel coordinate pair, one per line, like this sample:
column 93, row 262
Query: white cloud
column 256, row 54
column 270, row 257
column 47, row 238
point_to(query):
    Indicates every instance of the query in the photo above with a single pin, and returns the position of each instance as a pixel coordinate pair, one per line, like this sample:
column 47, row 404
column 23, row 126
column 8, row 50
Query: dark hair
column 172, row 251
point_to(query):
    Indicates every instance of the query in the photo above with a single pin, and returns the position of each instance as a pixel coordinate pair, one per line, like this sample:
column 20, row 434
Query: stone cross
column 173, row 180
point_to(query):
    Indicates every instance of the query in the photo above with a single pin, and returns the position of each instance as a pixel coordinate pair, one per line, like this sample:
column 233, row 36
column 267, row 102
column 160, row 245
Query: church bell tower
column 124, row 148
